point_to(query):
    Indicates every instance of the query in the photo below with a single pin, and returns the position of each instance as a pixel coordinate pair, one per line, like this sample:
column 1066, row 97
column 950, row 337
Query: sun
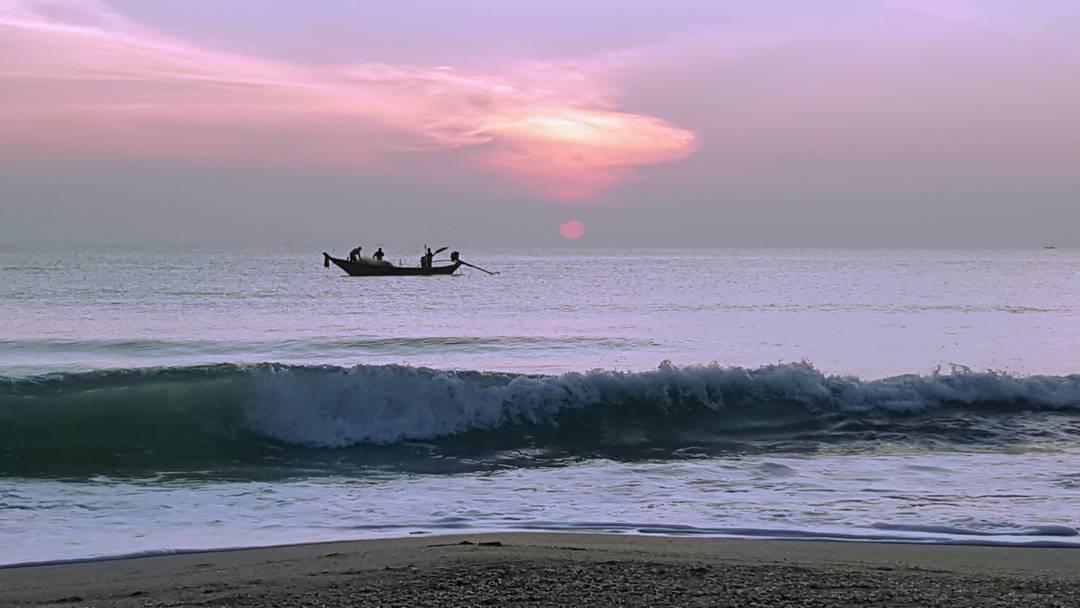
column 572, row 230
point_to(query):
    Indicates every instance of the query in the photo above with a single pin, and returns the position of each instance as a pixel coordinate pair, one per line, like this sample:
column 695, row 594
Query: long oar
column 477, row 267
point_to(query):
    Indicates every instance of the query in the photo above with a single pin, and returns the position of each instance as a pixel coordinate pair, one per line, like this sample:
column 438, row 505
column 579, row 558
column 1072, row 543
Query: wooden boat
column 371, row 268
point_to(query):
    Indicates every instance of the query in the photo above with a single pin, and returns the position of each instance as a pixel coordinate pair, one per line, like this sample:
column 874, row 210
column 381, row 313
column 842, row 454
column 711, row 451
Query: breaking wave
column 206, row 415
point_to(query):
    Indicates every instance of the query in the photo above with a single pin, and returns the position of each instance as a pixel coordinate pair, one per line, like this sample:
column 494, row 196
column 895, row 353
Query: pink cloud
column 543, row 147
column 80, row 79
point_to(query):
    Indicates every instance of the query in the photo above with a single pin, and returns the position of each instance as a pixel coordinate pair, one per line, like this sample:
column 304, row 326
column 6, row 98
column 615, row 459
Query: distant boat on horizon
column 364, row 267
column 367, row 267
column 1049, row 247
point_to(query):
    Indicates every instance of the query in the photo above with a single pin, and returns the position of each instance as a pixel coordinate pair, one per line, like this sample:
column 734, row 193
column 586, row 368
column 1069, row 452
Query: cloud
column 80, row 79
column 543, row 149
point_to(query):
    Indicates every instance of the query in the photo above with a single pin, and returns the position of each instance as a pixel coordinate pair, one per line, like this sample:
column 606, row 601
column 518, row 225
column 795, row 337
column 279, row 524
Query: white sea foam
column 335, row 407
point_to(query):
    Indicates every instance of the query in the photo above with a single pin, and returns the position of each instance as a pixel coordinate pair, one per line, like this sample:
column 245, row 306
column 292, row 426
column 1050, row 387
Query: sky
column 607, row 123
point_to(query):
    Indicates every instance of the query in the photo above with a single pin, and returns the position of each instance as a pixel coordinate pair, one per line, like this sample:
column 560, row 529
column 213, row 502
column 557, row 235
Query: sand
column 564, row 570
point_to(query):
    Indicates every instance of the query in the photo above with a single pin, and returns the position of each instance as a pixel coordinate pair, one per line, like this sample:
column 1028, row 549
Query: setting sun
column 572, row 230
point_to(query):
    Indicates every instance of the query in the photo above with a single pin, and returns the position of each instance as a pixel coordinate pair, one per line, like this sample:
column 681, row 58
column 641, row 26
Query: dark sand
column 564, row 570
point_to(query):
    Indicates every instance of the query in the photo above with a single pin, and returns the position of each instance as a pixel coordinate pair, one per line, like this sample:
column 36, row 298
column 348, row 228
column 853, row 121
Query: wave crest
column 337, row 407
column 230, row 409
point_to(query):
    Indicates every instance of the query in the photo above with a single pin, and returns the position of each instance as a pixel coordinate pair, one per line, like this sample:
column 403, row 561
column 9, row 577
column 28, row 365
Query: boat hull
column 366, row 269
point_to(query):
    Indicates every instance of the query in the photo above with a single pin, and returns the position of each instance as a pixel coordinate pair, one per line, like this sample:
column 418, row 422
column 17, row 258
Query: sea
column 157, row 400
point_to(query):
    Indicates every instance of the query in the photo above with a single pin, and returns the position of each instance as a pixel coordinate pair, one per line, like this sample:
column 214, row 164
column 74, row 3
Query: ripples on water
column 963, row 497
column 868, row 313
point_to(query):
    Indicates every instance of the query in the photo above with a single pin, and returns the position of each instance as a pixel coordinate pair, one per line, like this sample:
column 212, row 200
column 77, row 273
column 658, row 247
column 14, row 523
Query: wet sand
column 564, row 570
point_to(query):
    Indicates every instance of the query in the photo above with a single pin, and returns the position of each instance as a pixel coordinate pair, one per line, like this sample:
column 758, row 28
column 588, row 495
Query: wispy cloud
column 80, row 79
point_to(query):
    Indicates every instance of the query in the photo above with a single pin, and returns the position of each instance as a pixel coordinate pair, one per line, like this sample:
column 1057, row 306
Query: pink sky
column 684, row 121
column 84, row 80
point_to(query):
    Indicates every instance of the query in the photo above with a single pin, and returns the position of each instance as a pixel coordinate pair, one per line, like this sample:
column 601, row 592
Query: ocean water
column 169, row 400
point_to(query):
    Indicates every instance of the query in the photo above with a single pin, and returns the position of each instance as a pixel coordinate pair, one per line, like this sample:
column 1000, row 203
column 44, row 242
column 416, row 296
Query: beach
column 539, row 303
column 530, row 569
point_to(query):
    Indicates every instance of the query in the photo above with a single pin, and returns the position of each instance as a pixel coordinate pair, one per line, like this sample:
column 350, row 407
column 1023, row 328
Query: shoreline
column 545, row 569
column 872, row 540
